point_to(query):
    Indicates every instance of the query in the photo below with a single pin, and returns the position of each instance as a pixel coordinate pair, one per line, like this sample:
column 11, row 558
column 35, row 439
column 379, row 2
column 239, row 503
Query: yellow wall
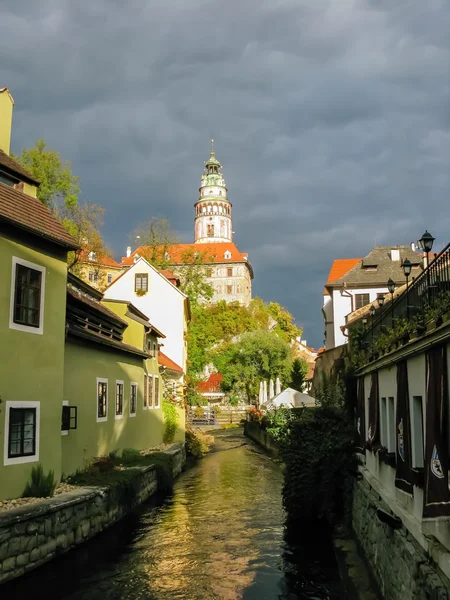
column 6, row 110
column 30, row 189
column 92, row 438
column 31, row 364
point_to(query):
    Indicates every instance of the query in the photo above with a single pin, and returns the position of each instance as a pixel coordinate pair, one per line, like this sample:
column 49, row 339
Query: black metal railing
column 428, row 291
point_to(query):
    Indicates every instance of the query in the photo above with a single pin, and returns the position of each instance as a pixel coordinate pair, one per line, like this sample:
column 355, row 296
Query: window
column 150, row 391
column 119, row 399
column 133, row 399
column 69, row 418
column 21, row 441
column 109, row 278
column 229, row 289
column 102, row 400
column 417, row 432
column 91, row 276
column 22, row 432
column 229, row 271
column 210, row 230
column 92, row 256
column 141, row 282
column 238, row 289
column 27, row 296
column 208, row 272
column 145, row 392
column 157, row 404
column 361, row 300
column 227, row 255
column 219, row 289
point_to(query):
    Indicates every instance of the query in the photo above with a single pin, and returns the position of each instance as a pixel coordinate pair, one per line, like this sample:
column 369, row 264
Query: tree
column 155, row 239
column 258, row 355
column 298, row 374
column 58, row 185
column 193, row 281
column 83, row 222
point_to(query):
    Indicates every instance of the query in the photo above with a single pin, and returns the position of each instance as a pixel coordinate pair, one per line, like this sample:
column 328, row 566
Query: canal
column 219, row 535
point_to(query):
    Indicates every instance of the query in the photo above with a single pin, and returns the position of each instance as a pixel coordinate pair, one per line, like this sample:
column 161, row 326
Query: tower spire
column 212, row 145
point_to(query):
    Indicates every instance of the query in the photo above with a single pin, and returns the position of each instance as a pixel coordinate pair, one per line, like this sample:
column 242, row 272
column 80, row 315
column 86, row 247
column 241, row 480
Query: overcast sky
column 331, row 119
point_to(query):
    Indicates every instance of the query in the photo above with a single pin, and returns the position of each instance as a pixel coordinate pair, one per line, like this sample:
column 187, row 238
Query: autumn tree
column 58, row 185
column 155, row 239
column 59, row 190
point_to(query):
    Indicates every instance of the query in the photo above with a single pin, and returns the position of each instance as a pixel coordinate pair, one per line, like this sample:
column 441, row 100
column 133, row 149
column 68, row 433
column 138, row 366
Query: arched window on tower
column 210, row 230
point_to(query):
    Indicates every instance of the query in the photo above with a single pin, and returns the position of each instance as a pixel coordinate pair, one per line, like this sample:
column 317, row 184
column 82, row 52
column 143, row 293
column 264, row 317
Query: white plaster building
column 355, row 282
column 152, row 293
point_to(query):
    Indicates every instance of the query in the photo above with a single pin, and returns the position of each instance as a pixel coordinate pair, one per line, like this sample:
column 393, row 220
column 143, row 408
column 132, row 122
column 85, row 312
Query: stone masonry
column 34, row 534
column 399, row 564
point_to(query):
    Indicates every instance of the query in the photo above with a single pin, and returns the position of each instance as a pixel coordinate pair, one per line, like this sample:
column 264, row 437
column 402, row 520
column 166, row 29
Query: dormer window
column 92, row 256
column 8, row 179
column 227, row 255
column 166, row 256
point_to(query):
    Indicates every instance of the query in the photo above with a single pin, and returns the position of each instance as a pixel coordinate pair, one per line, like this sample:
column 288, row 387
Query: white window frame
column 66, row 403
column 101, row 419
column 156, row 400
column 134, row 383
column 150, row 384
column 122, row 383
column 18, row 326
column 20, row 460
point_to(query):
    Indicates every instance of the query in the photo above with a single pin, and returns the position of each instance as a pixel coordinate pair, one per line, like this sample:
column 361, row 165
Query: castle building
column 227, row 270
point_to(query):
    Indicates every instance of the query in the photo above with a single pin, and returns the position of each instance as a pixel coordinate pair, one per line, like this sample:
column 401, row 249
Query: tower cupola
column 213, row 209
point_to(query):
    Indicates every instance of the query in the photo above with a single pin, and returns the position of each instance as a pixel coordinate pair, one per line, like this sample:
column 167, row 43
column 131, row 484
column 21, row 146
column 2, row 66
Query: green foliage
column 198, row 443
column 124, row 483
column 192, row 273
column 41, row 485
column 330, row 393
column 257, row 355
column 318, row 457
column 160, row 460
column 58, row 184
column 155, row 239
column 215, row 328
column 298, row 374
column 131, row 456
column 277, row 423
column 170, row 421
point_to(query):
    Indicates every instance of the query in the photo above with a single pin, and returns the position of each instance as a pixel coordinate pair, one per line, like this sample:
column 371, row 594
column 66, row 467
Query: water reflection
column 219, row 535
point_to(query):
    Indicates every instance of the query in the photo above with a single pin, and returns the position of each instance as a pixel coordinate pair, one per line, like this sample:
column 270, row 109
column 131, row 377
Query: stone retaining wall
column 258, row 435
column 401, row 567
column 34, row 534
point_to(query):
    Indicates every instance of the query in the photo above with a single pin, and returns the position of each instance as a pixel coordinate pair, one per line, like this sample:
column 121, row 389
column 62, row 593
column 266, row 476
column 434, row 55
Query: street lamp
column 407, row 266
column 426, row 244
column 391, row 289
column 380, row 301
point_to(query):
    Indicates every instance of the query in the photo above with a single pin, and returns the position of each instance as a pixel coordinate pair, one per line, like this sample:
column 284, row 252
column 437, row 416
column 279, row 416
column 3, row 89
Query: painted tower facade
column 213, row 210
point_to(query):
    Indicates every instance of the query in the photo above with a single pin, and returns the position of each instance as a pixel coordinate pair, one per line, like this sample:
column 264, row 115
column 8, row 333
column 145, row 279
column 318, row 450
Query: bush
column 276, row 422
column 199, row 413
column 198, row 443
column 170, row 421
column 125, row 483
column 319, row 459
column 131, row 455
column 41, row 485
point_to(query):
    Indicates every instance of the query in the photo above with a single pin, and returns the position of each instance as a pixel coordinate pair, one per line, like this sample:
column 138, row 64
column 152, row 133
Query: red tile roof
column 30, row 214
column 209, row 253
column 167, row 362
column 211, row 385
column 170, row 276
column 340, row 267
column 106, row 261
column 14, row 167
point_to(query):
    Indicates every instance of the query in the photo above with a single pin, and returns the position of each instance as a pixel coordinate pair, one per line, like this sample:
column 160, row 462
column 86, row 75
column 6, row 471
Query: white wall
column 163, row 304
column 342, row 306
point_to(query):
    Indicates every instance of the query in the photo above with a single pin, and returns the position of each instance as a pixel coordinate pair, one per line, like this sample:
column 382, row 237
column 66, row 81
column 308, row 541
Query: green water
column 219, row 535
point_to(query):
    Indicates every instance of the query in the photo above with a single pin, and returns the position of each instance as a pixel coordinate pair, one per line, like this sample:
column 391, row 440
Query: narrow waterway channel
column 219, row 535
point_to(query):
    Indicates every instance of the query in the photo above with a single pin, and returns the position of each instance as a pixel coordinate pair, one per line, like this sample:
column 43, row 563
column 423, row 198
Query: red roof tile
column 212, row 384
column 209, row 253
column 340, row 267
column 167, row 362
column 106, row 261
column 14, row 167
column 30, row 214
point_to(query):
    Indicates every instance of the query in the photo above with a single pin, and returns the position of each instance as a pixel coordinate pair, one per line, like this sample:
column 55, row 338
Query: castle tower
column 213, row 210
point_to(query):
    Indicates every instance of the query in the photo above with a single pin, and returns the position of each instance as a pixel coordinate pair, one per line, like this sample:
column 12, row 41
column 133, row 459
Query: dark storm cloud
column 332, row 120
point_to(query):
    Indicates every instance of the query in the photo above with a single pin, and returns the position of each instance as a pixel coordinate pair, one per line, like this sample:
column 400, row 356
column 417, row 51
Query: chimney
column 395, row 254
column 128, row 251
column 6, row 111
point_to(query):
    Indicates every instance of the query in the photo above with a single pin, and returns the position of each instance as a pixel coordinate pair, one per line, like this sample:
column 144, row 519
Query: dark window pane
column 27, row 296
column 22, row 432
